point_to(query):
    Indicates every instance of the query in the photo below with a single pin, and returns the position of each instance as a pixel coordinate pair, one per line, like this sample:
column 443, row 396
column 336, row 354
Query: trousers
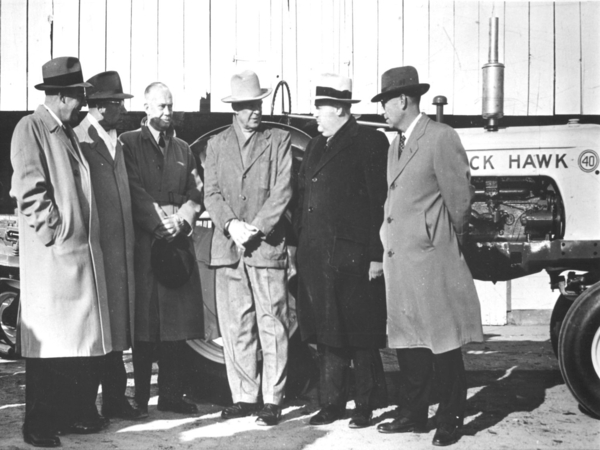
column 419, row 367
column 113, row 380
column 60, row 391
column 252, row 309
column 170, row 369
column 334, row 366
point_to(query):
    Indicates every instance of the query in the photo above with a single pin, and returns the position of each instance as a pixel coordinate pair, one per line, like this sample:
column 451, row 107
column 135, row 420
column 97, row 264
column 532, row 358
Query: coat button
column 393, row 186
column 311, row 209
column 243, row 197
column 391, row 253
column 244, row 176
column 314, row 180
column 389, row 220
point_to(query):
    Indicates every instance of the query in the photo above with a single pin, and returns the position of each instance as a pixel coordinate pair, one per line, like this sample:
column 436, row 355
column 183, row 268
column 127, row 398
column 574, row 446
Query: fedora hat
column 172, row 262
column 106, row 86
column 400, row 80
column 245, row 87
column 334, row 87
column 62, row 72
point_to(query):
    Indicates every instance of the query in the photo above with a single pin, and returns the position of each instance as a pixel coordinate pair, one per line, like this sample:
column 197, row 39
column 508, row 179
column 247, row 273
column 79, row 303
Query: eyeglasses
column 114, row 102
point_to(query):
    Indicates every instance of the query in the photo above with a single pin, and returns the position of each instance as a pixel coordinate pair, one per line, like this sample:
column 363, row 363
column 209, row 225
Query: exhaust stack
column 493, row 82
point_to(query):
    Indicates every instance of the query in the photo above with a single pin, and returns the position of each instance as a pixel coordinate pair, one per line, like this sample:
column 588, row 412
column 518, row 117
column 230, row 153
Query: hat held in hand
column 172, row 262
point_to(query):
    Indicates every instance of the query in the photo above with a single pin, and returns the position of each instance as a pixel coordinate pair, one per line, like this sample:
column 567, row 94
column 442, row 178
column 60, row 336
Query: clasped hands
column 170, row 227
column 242, row 232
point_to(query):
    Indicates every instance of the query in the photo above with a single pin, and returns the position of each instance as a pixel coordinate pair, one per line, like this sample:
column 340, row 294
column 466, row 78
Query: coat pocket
column 349, row 253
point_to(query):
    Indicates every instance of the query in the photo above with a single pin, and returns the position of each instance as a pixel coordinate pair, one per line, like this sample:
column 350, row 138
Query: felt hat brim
column 342, row 100
column 415, row 89
column 43, row 86
column 264, row 92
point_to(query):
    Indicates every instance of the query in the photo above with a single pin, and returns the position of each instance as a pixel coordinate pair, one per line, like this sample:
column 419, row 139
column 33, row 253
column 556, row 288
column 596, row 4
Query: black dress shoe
column 87, row 426
column 41, row 438
column 239, row 409
column 123, row 410
column 361, row 417
column 179, row 406
column 269, row 415
column 402, row 425
column 327, row 415
column 446, row 434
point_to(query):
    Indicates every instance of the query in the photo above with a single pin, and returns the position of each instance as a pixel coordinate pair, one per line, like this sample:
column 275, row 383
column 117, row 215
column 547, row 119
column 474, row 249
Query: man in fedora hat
column 166, row 200
column 248, row 187
column 64, row 316
column 341, row 293
column 432, row 304
column 97, row 136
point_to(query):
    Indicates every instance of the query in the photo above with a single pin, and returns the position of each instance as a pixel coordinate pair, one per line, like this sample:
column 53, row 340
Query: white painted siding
column 551, row 49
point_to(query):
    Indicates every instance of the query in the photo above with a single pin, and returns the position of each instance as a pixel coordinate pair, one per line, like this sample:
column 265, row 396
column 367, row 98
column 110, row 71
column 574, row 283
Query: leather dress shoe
column 41, row 438
column 239, row 409
column 446, row 434
column 402, row 425
column 88, row 426
column 327, row 415
column 179, row 406
column 269, row 415
column 123, row 410
column 361, row 417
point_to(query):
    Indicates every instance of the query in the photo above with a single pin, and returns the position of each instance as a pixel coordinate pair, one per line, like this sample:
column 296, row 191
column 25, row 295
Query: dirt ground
column 517, row 400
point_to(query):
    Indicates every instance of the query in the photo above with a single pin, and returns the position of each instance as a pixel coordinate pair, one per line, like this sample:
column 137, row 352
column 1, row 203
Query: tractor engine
column 516, row 209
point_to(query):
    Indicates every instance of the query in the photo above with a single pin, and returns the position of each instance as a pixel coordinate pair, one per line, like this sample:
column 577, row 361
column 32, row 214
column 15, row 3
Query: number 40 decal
column 588, row 161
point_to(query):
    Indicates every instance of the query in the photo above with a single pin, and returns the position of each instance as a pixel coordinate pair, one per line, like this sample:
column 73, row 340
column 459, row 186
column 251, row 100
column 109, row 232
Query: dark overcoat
column 340, row 209
column 109, row 179
column 155, row 181
column 63, row 311
column 432, row 301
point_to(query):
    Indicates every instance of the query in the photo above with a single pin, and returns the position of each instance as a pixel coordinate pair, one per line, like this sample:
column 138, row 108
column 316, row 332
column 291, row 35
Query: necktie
column 161, row 141
column 401, row 145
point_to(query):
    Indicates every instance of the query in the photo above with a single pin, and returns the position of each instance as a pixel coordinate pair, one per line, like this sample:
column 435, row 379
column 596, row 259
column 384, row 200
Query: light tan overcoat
column 64, row 309
column 431, row 297
column 111, row 186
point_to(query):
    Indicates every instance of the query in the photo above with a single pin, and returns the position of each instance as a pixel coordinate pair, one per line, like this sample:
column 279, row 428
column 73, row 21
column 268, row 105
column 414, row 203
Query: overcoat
column 155, row 181
column 109, row 179
column 340, row 210
column 257, row 193
column 64, row 310
column 431, row 297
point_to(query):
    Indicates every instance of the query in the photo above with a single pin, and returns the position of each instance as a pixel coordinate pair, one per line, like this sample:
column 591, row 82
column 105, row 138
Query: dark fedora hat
column 172, row 262
column 62, row 72
column 106, row 86
column 400, row 80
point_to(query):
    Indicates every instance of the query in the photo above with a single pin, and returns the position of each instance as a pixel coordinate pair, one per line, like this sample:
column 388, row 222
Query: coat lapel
column 260, row 145
column 231, row 148
column 96, row 142
column 411, row 148
column 344, row 140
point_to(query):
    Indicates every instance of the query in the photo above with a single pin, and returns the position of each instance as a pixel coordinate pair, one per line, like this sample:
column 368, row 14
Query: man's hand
column 170, row 227
column 375, row 270
column 241, row 232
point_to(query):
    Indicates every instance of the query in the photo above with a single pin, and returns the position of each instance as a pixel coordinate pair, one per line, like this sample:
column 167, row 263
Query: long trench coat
column 64, row 310
column 431, row 297
column 156, row 181
column 111, row 185
column 340, row 209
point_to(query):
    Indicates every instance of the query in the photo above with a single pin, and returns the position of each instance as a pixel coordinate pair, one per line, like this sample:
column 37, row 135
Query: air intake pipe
column 493, row 82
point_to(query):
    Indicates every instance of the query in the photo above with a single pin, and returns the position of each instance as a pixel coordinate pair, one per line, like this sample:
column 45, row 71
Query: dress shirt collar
column 109, row 137
column 411, row 127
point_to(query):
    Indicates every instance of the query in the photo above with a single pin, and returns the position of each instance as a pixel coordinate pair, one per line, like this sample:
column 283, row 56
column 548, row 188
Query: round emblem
column 588, row 161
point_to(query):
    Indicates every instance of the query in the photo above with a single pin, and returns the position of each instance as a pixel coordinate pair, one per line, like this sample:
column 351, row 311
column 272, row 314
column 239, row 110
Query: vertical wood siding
column 551, row 49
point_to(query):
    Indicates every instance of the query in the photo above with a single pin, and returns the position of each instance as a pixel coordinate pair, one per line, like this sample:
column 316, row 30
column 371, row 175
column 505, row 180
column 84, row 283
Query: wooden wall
column 551, row 49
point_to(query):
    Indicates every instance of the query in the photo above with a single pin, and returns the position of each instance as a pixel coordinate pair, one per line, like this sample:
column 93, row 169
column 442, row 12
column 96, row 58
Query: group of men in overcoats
column 91, row 206
column 380, row 233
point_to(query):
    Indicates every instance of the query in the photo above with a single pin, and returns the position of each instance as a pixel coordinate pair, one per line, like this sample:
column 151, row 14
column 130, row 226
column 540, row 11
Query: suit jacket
column 64, row 310
column 156, row 181
column 111, row 185
column 340, row 209
column 257, row 194
column 431, row 297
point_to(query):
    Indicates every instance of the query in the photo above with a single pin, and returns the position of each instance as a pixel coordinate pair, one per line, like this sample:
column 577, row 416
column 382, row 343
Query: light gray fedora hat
column 245, row 87
column 334, row 87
